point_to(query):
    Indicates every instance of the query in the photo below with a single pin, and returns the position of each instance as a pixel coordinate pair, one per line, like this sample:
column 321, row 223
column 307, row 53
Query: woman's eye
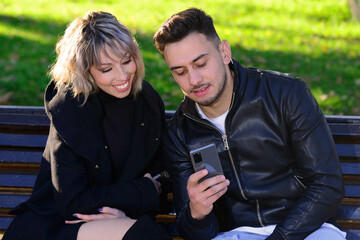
column 105, row 70
column 127, row 61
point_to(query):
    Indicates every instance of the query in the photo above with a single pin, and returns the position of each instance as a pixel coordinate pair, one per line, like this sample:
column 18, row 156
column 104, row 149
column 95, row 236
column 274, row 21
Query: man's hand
column 203, row 195
column 104, row 213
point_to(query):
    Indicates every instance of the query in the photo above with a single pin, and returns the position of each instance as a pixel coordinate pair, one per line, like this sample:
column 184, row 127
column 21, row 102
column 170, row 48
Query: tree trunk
column 354, row 7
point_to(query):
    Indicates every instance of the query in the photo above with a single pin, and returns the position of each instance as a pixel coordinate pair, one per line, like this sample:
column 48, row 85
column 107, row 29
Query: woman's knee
column 146, row 228
column 112, row 229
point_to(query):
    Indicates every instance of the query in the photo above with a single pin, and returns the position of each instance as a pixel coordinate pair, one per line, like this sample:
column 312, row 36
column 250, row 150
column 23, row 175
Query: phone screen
column 206, row 158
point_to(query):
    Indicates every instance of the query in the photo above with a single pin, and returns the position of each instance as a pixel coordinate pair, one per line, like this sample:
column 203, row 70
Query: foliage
column 312, row 39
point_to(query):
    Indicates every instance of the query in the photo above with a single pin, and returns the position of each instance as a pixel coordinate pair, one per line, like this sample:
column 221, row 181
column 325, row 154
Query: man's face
column 198, row 67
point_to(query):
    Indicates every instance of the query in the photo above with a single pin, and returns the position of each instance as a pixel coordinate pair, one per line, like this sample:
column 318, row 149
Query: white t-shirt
column 218, row 122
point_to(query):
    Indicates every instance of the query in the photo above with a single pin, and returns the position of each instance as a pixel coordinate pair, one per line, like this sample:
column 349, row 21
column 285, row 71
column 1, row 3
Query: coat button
column 157, row 139
column 96, row 166
column 142, row 124
column 106, row 147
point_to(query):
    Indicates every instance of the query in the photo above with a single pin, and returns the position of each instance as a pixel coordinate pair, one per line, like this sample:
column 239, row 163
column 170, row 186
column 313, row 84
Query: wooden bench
column 23, row 134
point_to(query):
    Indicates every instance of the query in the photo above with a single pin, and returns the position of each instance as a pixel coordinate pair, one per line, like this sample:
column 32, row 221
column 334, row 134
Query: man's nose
column 194, row 77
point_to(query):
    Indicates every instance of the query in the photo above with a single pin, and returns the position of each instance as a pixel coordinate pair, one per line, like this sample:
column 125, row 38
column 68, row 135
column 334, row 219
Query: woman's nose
column 121, row 73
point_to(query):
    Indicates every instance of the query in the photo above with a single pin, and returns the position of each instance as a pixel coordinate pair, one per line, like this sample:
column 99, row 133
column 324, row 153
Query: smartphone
column 206, row 158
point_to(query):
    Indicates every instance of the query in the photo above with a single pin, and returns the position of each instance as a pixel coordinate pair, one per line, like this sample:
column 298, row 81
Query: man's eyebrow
column 200, row 56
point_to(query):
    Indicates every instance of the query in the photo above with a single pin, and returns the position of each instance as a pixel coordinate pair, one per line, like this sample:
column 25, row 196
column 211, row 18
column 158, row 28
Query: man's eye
column 180, row 73
column 202, row 65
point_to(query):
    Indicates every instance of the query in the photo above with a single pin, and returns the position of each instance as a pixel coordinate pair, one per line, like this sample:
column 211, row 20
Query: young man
column 282, row 176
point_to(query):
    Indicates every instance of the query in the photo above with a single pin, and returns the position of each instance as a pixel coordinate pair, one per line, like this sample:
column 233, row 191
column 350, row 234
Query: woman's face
column 115, row 75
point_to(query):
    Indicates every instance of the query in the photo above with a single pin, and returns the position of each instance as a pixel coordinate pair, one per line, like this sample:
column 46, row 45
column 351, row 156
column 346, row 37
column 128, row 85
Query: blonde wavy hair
column 80, row 47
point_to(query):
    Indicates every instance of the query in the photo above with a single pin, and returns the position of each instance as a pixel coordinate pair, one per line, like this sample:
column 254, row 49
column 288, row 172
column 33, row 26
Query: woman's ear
column 225, row 51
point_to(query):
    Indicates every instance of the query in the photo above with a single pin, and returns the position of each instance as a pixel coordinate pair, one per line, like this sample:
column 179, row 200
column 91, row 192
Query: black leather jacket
column 277, row 152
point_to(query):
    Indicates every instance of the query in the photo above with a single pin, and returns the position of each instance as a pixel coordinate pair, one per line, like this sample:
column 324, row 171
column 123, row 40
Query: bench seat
column 23, row 134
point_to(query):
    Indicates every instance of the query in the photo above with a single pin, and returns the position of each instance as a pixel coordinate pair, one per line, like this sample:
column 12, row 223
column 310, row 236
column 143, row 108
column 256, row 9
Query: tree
column 354, row 7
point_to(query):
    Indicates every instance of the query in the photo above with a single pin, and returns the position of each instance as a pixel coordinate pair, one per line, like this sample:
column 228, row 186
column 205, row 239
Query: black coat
column 75, row 172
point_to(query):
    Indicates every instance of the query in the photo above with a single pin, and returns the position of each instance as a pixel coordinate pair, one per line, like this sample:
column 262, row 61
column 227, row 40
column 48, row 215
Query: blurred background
column 316, row 40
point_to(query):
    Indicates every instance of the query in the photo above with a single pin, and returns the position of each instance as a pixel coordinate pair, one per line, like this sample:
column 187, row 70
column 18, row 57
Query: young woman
column 104, row 141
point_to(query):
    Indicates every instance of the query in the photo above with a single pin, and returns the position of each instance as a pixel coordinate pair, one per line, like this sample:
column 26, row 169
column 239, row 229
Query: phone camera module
column 197, row 157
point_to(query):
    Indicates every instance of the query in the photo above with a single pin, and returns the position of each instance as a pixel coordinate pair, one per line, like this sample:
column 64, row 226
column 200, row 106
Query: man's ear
column 225, row 50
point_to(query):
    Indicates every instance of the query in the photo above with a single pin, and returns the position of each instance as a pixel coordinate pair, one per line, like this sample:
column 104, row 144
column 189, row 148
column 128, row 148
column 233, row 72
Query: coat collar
column 80, row 125
column 77, row 124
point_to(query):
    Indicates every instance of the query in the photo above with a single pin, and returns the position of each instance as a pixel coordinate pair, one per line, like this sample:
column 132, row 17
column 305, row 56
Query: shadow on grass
column 27, row 50
column 29, row 24
column 24, row 63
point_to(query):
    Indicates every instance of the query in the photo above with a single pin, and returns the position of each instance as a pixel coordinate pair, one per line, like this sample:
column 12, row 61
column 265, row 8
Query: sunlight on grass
column 30, row 34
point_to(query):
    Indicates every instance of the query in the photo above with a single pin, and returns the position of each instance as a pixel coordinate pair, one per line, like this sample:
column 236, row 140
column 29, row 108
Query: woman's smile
column 122, row 87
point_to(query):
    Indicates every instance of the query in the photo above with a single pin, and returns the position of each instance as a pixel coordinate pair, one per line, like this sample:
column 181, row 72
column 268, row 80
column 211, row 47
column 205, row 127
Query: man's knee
column 327, row 232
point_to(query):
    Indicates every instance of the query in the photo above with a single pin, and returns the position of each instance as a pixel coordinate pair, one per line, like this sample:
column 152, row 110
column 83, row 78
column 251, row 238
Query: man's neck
column 223, row 103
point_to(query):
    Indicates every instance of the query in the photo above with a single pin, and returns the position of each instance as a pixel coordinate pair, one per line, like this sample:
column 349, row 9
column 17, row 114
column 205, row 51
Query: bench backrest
column 346, row 133
column 23, row 134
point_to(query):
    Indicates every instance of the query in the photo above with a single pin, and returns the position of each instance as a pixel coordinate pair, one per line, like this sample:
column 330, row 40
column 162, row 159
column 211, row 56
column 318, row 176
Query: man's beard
column 216, row 97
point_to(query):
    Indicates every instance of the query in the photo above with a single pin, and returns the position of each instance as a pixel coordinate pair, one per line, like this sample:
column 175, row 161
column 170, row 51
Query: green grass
column 312, row 39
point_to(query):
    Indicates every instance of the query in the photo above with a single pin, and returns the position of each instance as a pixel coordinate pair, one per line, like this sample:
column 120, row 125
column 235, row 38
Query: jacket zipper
column 227, row 148
column 258, row 213
column 297, row 178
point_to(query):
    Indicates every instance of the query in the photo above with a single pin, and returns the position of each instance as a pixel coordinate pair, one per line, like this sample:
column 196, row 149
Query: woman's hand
column 104, row 213
column 156, row 183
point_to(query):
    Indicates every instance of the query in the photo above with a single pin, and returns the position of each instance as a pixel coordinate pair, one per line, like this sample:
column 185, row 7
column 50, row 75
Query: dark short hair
column 181, row 24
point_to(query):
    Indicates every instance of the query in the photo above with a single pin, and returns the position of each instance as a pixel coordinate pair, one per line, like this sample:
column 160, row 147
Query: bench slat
column 11, row 201
column 345, row 129
column 25, row 119
column 5, row 222
column 22, row 140
column 15, row 190
column 17, row 180
column 24, row 115
column 348, row 212
column 19, row 168
column 350, row 168
column 22, row 156
column 347, row 150
column 352, row 191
